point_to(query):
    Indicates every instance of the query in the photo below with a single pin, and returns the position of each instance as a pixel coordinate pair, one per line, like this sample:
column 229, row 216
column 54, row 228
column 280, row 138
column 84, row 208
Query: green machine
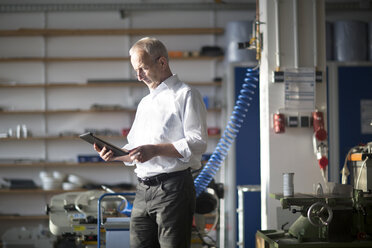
column 341, row 218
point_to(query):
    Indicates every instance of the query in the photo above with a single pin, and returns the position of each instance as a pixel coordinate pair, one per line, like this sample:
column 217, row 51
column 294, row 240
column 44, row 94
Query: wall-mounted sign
column 299, row 89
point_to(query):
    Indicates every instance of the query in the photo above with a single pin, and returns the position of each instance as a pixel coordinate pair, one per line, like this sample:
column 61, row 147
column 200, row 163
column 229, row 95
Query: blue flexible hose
column 231, row 131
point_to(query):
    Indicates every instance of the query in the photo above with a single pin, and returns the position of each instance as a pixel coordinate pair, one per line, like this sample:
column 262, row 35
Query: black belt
column 156, row 180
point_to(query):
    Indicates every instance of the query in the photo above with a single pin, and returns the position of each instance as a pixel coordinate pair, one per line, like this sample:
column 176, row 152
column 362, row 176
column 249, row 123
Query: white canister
column 19, row 132
column 288, row 185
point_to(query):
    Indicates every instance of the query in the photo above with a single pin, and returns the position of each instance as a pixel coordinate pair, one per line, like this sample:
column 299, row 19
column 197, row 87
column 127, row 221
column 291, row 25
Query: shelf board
column 33, row 138
column 133, row 83
column 65, row 164
column 72, row 111
column 78, row 111
column 21, row 85
column 36, row 191
column 23, row 217
column 41, row 191
column 77, row 138
column 60, row 164
column 95, row 59
column 91, row 32
column 21, row 112
column 61, row 59
column 59, row 138
column 64, row 111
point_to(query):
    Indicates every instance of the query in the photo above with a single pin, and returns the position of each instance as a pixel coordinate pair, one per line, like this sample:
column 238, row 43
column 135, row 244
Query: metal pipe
column 45, row 89
column 258, row 35
column 240, row 210
column 277, row 38
column 100, row 213
column 315, row 29
column 295, row 33
column 40, row 6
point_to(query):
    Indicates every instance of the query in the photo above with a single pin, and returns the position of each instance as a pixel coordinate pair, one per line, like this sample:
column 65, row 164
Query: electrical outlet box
column 292, row 121
column 304, row 121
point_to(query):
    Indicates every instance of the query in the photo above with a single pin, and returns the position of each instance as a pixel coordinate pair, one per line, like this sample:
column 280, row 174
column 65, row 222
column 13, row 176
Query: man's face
column 146, row 69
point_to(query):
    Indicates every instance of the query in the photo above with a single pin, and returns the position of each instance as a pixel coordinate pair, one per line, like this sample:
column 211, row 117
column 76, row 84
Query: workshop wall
column 51, row 112
column 23, row 158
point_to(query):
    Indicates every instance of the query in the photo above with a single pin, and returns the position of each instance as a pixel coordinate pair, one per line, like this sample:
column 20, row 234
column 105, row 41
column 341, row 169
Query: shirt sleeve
column 128, row 147
column 194, row 114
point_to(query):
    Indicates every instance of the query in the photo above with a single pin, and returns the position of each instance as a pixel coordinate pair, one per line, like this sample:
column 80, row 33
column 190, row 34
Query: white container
column 24, row 131
column 48, row 180
column 51, row 184
column 59, row 176
column 70, row 186
column 288, row 185
column 43, row 174
column 76, row 180
column 18, row 133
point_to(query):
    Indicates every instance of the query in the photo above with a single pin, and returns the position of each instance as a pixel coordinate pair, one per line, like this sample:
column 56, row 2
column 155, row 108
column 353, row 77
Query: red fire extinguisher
column 320, row 140
column 279, row 123
column 318, row 124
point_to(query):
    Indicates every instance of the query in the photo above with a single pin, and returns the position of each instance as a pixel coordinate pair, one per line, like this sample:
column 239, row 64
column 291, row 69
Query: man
column 167, row 138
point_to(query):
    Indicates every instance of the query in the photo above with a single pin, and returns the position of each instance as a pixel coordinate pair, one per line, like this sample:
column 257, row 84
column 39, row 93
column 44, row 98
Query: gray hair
column 152, row 46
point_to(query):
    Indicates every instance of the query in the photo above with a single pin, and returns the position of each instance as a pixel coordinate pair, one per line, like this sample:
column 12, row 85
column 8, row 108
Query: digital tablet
column 90, row 138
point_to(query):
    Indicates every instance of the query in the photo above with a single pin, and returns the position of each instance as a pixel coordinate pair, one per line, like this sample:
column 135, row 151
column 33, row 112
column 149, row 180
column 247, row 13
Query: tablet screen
column 90, row 138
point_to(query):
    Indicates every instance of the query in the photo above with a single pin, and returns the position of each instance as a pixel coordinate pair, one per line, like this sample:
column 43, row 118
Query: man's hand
column 143, row 153
column 146, row 152
column 105, row 154
column 108, row 155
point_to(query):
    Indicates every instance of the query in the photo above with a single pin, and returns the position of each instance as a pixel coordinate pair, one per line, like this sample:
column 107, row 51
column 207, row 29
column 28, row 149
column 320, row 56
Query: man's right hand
column 104, row 153
column 108, row 155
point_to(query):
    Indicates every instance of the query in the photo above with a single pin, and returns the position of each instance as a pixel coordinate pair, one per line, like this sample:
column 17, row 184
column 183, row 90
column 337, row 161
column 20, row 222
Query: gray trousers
column 162, row 214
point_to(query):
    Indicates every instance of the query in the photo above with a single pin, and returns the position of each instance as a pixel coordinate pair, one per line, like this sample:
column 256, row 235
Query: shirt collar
column 167, row 83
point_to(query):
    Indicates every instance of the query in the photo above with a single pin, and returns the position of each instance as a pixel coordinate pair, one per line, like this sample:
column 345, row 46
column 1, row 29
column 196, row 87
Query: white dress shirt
column 173, row 113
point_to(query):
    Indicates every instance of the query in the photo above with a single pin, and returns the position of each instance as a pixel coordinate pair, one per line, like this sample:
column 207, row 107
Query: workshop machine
column 339, row 216
column 76, row 217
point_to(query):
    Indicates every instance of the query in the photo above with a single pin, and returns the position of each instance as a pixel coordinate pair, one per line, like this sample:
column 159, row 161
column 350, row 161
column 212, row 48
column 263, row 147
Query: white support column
column 291, row 151
column 333, row 122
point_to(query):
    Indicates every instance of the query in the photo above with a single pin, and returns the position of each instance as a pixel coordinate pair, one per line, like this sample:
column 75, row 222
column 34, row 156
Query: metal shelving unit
column 45, row 114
